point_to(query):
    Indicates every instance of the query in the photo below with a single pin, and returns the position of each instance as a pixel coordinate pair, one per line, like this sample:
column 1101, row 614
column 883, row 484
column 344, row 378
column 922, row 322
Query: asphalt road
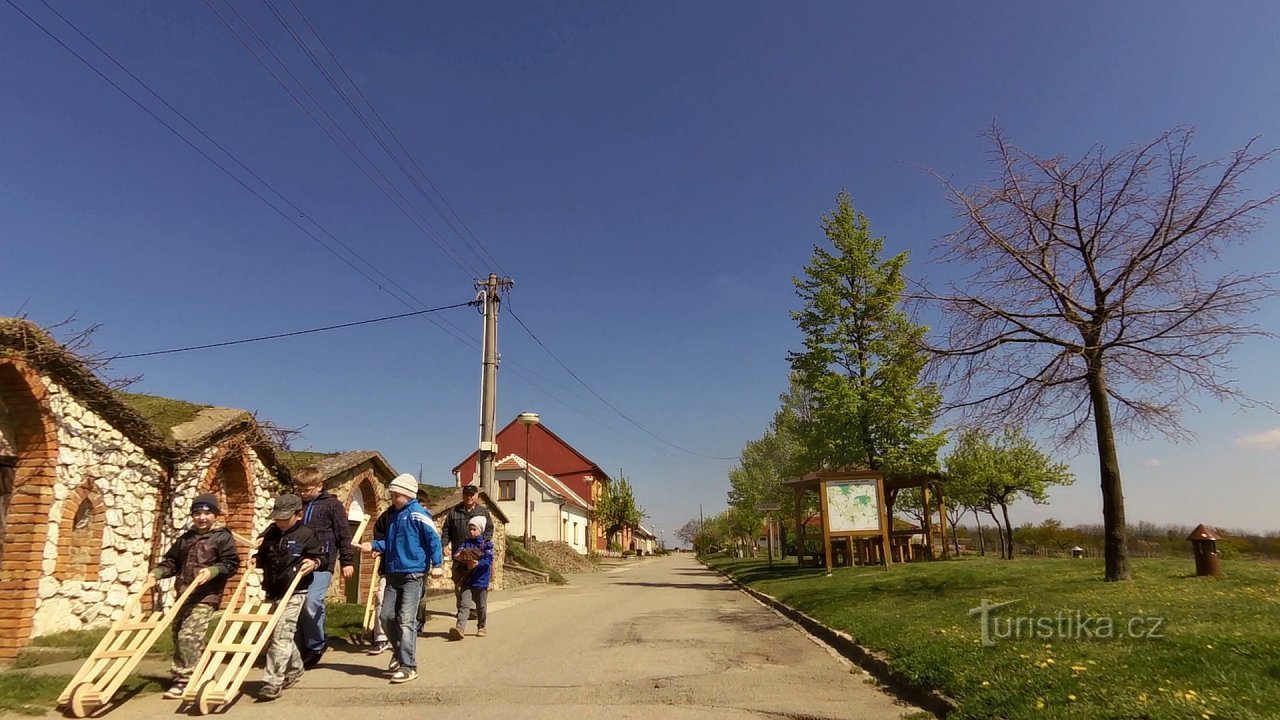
column 661, row 638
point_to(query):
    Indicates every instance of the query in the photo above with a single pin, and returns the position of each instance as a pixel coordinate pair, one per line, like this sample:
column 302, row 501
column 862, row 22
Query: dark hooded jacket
column 326, row 516
column 280, row 554
column 194, row 551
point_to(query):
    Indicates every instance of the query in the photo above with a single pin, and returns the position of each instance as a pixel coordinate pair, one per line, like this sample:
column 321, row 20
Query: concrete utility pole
column 489, row 293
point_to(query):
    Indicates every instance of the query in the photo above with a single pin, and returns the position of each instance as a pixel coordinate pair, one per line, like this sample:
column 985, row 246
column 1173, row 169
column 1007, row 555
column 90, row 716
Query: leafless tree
column 1096, row 298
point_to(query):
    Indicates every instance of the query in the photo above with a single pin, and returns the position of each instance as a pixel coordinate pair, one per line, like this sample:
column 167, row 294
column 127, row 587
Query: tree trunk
column 995, row 520
column 1004, row 508
column 982, row 539
column 955, row 539
column 1115, row 548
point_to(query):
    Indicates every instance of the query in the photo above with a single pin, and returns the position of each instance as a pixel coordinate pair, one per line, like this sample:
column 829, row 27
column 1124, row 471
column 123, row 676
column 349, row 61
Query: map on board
column 852, row 505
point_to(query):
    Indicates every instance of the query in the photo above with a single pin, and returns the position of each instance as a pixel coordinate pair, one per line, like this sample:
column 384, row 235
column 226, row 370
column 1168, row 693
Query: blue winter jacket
column 412, row 544
column 478, row 577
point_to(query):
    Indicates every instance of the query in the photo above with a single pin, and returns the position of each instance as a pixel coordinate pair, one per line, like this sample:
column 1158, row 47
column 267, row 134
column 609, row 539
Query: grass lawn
column 1178, row 647
column 29, row 694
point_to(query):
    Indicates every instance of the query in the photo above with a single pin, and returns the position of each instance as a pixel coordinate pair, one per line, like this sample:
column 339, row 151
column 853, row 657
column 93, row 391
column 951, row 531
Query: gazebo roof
column 892, row 481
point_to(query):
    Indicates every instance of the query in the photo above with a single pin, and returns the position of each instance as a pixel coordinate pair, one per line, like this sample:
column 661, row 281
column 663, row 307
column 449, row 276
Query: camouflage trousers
column 189, row 629
column 283, row 659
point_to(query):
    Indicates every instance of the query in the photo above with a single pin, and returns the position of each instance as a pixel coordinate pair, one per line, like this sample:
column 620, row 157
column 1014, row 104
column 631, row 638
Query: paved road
column 663, row 638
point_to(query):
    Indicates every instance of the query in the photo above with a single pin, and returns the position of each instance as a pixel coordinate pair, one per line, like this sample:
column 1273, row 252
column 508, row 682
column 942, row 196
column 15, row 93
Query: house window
column 506, row 489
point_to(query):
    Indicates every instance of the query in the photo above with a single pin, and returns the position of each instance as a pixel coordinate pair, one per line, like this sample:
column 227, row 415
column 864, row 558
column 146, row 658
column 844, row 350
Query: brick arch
column 80, row 536
column 26, row 518
column 368, row 497
column 230, row 479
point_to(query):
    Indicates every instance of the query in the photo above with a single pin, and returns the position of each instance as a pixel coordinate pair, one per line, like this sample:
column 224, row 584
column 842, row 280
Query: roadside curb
column 876, row 664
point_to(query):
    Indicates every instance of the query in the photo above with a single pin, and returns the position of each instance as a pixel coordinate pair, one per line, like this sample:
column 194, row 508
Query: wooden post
column 926, row 519
column 942, row 524
column 799, row 526
column 826, row 525
column 886, row 523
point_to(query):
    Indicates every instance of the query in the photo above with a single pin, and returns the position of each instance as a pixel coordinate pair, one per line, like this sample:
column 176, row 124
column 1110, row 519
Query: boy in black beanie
column 205, row 556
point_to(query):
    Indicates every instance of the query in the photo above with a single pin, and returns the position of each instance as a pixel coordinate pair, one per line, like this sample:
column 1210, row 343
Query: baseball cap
column 286, row 506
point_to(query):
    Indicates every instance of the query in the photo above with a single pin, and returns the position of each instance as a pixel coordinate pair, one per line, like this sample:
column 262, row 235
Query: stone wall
column 360, row 481
column 105, row 497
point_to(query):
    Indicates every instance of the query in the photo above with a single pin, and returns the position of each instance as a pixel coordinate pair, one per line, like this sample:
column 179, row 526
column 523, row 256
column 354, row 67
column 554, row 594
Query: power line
column 412, row 161
column 455, row 332
column 608, row 404
column 439, row 240
column 295, row 332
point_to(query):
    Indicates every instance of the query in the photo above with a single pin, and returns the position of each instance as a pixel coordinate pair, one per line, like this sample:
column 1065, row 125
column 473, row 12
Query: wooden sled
column 121, row 649
column 241, row 634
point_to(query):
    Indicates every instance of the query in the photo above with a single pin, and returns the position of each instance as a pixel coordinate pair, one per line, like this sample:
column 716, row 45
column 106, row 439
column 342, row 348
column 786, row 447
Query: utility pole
column 489, row 292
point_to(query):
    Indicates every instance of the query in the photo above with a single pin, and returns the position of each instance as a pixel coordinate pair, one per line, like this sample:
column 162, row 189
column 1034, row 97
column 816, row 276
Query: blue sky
column 651, row 175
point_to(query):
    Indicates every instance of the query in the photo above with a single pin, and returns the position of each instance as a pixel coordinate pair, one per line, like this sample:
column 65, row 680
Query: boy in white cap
column 410, row 550
column 473, row 558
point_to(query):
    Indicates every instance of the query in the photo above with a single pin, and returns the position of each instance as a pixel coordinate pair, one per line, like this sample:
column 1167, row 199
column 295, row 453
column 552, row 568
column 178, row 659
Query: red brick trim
column 230, row 479
column 80, row 552
column 27, row 524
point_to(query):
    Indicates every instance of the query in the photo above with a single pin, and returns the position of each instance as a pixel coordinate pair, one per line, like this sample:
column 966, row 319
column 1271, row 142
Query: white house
column 556, row 512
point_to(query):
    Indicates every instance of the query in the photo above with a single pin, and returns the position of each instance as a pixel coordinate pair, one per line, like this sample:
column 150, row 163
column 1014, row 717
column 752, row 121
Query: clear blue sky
column 650, row 174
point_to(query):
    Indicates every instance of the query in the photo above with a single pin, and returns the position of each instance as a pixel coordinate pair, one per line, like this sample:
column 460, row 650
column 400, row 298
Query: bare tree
column 1094, row 301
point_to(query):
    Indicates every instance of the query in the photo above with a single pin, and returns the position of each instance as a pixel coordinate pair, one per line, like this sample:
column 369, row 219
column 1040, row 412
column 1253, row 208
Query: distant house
column 95, row 484
column 556, row 512
column 554, row 457
column 643, row 542
column 439, row 506
column 358, row 478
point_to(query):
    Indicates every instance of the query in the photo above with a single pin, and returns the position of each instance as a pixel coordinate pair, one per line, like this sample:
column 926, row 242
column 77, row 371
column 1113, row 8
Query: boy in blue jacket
column 410, row 550
column 474, row 557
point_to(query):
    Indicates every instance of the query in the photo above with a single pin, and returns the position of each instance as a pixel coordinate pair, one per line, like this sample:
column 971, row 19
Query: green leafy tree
column 862, row 359
column 617, row 508
column 999, row 470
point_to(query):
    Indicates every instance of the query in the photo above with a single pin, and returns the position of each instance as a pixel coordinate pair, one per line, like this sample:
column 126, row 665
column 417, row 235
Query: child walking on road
column 475, row 554
column 288, row 548
column 204, row 556
column 410, row 551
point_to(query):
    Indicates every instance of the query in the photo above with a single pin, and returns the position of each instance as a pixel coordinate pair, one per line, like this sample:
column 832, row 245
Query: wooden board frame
column 118, row 653
column 882, row 533
column 243, row 631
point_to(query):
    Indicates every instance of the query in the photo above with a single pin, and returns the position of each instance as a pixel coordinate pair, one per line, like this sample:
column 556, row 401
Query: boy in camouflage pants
column 204, row 556
column 287, row 549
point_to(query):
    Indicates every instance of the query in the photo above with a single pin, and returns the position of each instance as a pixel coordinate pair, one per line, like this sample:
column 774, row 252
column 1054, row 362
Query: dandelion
column 1039, row 703
column 986, row 683
column 1079, row 668
column 1142, row 698
column 1071, row 698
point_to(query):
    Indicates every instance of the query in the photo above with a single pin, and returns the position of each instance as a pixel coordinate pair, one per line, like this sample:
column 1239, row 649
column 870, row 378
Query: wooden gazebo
column 855, row 507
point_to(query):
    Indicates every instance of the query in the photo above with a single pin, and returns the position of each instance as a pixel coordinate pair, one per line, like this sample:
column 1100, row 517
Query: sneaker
column 481, row 632
column 291, row 681
column 455, row 633
column 176, row 690
column 394, row 665
column 379, row 647
column 269, row 692
column 404, row 675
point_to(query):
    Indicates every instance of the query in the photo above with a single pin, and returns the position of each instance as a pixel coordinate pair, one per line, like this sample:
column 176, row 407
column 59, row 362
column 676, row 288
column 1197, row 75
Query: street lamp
column 528, row 420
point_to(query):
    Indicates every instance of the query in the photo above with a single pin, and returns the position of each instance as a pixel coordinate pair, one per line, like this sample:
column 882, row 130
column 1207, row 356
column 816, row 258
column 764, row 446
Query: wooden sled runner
column 371, row 598
column 241, row 634
column 121, row 649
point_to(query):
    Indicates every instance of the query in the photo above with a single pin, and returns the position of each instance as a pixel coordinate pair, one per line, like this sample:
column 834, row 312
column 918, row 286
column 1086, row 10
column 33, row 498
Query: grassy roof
column 435, row 492
column 163, row 413
column 295, row 460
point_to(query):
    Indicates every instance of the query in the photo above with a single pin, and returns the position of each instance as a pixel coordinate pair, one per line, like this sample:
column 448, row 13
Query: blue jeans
column 399, row 615
column 310, row 637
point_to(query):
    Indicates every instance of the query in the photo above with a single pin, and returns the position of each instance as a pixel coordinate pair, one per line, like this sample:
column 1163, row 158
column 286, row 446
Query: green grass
column 295, row 460
column 343, row 620
column 164, row 413
column 516, row 552
column 26, row 693
column 1217, row 657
